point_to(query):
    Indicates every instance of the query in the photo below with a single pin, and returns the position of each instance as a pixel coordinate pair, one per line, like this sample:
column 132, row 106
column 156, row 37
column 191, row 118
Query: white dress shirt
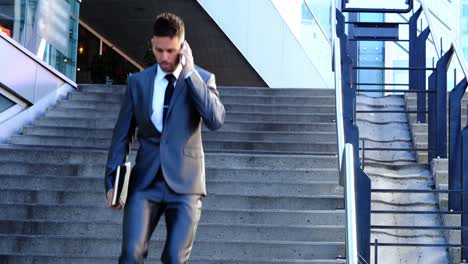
column 160, row 84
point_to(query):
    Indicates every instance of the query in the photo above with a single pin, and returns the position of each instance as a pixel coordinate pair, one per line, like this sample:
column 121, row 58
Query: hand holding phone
column 186, row 58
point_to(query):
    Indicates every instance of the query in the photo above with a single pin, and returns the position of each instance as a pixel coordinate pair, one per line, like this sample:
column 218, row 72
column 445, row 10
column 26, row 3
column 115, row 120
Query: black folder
column 122, row 178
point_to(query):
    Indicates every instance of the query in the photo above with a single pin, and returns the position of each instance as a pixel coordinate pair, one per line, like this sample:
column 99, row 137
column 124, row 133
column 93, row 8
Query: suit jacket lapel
column 149, row 88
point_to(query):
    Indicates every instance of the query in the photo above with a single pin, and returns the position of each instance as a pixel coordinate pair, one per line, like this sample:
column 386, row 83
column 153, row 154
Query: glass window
column 307, row 31
column 5, row 103
column 48, row 28
column 465, row 52
column 322, row 12
column 371, row 54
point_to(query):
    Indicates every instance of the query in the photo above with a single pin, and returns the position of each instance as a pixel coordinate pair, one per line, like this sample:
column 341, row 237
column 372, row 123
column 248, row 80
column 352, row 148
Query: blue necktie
column 168, row 94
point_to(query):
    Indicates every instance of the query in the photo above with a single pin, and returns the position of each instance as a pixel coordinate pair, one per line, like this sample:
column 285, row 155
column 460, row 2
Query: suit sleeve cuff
column 110, row 190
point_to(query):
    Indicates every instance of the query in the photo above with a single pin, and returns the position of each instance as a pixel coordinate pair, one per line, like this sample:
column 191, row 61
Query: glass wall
column 464, row 29
column 5, row 103
column 321, row 10
column 310, row 22
column 48, row 28
column 371, row 54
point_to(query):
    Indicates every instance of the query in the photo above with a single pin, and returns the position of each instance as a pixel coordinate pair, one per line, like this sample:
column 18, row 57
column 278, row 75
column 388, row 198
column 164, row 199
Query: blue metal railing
column 352, row 177
column 430, row 83
column 438, row 112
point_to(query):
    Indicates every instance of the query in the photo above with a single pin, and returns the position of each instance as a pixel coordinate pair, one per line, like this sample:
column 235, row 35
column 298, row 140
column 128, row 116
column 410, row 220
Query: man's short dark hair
column 168, row 25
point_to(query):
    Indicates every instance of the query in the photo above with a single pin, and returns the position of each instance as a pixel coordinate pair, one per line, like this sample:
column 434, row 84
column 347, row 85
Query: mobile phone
column 181, row 57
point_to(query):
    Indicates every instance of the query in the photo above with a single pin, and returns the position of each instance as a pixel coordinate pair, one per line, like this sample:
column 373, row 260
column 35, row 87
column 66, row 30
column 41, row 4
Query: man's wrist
column 110, row 190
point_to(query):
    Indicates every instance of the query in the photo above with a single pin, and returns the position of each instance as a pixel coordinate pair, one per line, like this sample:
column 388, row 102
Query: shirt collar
column 161, row 74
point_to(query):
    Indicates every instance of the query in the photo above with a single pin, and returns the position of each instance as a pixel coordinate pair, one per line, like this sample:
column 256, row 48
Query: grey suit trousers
column 142, row 213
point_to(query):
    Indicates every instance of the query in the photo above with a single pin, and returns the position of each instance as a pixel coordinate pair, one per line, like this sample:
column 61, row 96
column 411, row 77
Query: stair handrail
column 346, row 164
column 338, row 103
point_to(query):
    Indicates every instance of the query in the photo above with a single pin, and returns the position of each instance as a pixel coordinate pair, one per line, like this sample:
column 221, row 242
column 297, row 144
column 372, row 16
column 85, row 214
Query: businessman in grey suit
column 167, row 102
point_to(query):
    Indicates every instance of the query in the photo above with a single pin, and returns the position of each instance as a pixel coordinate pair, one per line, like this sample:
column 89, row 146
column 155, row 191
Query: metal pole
column 350, row 205
column 363, row 153
column 376, row 251
column 464, row 217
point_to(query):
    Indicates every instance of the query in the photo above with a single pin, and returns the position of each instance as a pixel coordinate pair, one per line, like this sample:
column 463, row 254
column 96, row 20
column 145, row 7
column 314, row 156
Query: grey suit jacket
column 178, row 149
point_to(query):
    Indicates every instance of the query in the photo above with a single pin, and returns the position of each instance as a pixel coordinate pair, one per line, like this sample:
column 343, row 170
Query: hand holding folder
column 118, row 196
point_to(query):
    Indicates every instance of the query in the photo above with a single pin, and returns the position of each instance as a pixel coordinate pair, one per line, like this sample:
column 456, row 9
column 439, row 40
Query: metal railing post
column 432, row 117
column 464, row 217
column 363, row 206
column 376, row 251
column 441, row 112
column 421, row 74
column 413, row 49
column 455, row 166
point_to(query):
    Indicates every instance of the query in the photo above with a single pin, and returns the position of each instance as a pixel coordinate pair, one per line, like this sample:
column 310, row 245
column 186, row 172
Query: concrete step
column 412, row 100
column 419, row 128
column 64, row 183
column 86, row 104
column 101, row 88
column 42, row 155
column 273, row 147
column 227, row 99
column 98, row 212
column 208, row 144
column 254, row 108
column 232, row 90
column 261, row 208
column 95, row 97
column 82, row 113
column 22, row 168
column 420, row 137
column 101, row 123
column 96, row 246
column 206, row 135
column 271, row 161
column 258, row 99
column 218, row 160
column 14, row 258
column 67, row 132
column 222, row 172
column 221, row 201
column 230, row 116
column 106, row 123
column 244, row 232
column 223, row 90
column 240, row 174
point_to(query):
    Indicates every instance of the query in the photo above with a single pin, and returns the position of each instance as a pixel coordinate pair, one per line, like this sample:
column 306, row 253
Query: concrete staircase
column 398, row 169
column 272, row 181
column 439, row 169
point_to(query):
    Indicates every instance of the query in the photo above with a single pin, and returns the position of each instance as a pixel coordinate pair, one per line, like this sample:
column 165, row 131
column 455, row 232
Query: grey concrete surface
column 272, row 181
column 399, row 170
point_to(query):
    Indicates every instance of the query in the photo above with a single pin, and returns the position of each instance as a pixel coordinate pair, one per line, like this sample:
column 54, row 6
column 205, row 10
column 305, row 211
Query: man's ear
column 182, row 41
